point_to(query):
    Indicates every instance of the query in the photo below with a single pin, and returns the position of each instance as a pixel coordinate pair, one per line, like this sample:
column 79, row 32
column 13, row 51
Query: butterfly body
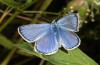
column 54, row 27
column 49, row 37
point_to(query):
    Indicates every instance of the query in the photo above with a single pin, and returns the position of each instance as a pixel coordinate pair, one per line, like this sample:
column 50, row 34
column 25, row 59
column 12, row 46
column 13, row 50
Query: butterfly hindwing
column 69, row 39
column 47, row 44
column 69, row 22
column 33, row 32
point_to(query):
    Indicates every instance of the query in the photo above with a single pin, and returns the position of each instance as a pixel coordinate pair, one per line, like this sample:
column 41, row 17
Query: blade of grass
column 27, row 49
column 5, row 42
column 42, row 62
column 31, row 12
column 18, row 16
column 11, row 3
column 5, row 13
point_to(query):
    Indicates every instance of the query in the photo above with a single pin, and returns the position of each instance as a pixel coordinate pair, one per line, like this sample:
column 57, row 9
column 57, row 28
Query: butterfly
column 49, row 38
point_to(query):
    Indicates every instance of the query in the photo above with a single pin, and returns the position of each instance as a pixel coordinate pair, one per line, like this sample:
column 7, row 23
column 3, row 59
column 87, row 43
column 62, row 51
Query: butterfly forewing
column 69, row 22
column 33, row 32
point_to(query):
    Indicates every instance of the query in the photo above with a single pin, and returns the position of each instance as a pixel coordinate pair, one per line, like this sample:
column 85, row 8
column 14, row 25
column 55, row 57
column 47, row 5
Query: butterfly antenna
column 58, row 16
column 46, row 19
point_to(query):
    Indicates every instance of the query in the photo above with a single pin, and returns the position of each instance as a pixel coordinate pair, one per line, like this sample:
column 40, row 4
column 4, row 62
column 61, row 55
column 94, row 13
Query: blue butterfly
column 49, row 37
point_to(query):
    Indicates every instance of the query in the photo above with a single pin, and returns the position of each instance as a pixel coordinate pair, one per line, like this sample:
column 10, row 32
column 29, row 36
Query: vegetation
column 15, row 51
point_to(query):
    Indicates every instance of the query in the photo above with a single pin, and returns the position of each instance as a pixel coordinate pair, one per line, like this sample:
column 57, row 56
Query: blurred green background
column 14, row 13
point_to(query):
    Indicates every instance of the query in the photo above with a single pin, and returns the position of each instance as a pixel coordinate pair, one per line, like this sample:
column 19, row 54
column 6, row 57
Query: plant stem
column 18, row 16
column 8, row 21
column 5, row 13
column 14, row 15
column 30, row 12
column 42, row 62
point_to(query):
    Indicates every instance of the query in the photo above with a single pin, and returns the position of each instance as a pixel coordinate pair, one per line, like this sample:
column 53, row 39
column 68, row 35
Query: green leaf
column 73, row 57
column 5, row 42
column 11, row 3
column 25, row 47
column 15, row 4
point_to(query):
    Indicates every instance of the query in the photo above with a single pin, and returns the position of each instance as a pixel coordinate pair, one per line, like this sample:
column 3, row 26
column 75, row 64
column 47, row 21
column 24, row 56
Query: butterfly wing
column 47, row 44
column 33, row 32
column 69, row 22
column 69, row 40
